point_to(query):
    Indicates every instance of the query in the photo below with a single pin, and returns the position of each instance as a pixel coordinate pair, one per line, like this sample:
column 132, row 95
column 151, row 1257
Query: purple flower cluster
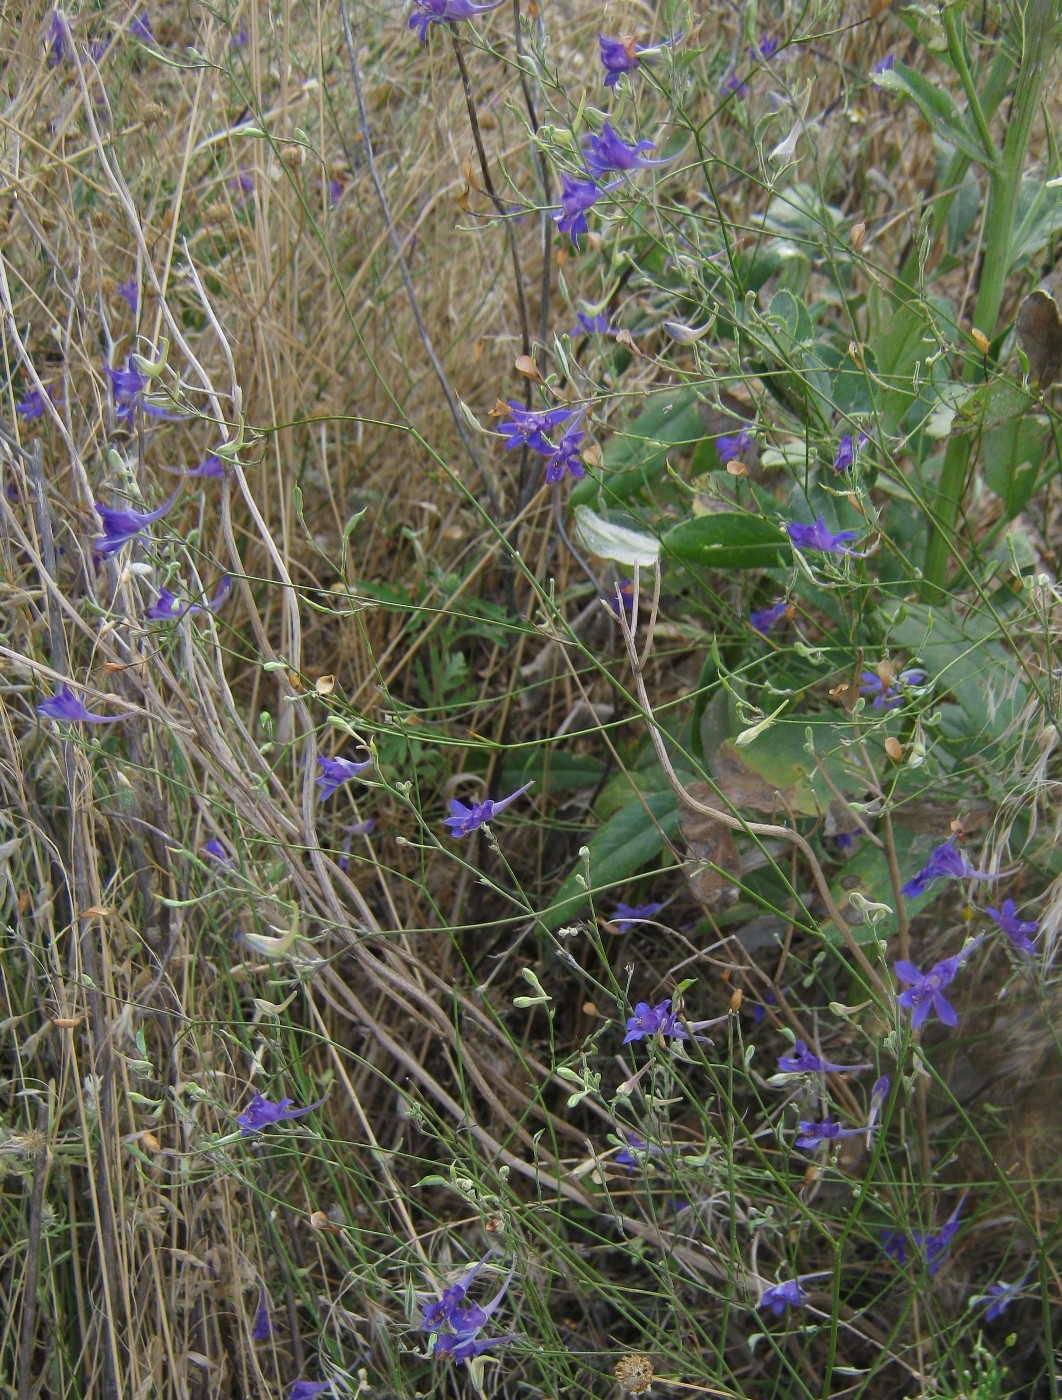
column 932, row 1247
column 528, row 427
column 456, row 1325
column 925, row 991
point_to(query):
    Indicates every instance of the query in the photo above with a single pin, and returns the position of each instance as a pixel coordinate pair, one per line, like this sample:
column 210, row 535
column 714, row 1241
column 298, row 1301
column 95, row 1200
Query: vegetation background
column 334, row 249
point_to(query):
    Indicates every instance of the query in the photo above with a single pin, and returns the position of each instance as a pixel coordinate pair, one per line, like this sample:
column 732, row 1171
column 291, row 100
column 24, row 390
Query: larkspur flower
column 820, row 537
column 337, row 771
column 65, row 705
column 168, row 607
column 878, row 1094
column 608, row 152
column 763, row 620
column 463, row 820
column 261, row 1113
column 730, row 448
column 887, row 695
column 529, row 426
column 309, row 1390
column 925, row 991
column 626, row 915
column 128, row 388
column 465, row 1348
column 631, row 1155
column 129, row 293
column 427, row 12
column 622, row 599
column 784, row 1295
column 885, row 65
column 625, row 54
column 734, row 83
column 894, row 1244
column 121, row 526
column 804, row 1061
column 263, row 1327
column 335, row 192
column 845, row 453
column 759, row 1008
column 577, row 197
column 566, row 457
column 946, row 862
column 216, row 851
column 846, row 839
column 651, row 1021
column 596, row 324
column 31, row 407
column 140, row 28
column 1017, row 930
column 58, row 39
column 436, row 1315
column 766, row 49
column 1000, row 1296
column 933, row 1246
column 357, row 829
column 812, row 1135
column 210, row 468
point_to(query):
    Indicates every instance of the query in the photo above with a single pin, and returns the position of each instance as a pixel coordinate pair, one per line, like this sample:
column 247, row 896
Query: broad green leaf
column 615, row 539
column 938, row 108
column 670, row 422
column 729, row 540
column 1013, row 455
column 552, row 768
column 619, row 849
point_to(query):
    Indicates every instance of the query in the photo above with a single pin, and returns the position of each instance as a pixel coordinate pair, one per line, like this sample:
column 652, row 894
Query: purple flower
column 464, row 1348
column 437, row 1315
column 934, row 1246
column 463, row 820
column 885, row 65
column 759, row 1008
column 263, row 1327
column 566, row 457
column 608, row 152
column 427, row 12
column 1017, row 930
column 140, row 28
column 622, row 599
column 734, row 83
column 925, row 992
column 784, row 1295
column 577, row 196
column 632, row 1154
column 845, row 454
column 58, row 39
column 813, row 1134
column 624, row 55
column 217, row 851
column 129, row 293
column 888, row 696
column 243, row 181
column 239, row 41
column 766, row 49
column 307, row 1390
column 260, row 1113
column 947, row 861
column 730, row 448
column 894, row 1244
column 878, row 1094
column 1002, row 1294
column 65, row 705
column 626, row 916
column 820, row 537
column 591, row 325
column 211, row 467
column 335, row 191
column 652, row 1021
column 128, row 386
column 765, row 619
column 31, row 407
column 337, row 771
column 803, row 1061
column 356, row 829
column 121, row 526
column 530, row 426
column 168, row 607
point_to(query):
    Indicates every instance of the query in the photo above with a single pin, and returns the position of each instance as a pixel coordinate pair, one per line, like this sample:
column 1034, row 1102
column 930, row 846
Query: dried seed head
column 894, row 749
column 980, row 340
column 634, row 1373
column 859, row 233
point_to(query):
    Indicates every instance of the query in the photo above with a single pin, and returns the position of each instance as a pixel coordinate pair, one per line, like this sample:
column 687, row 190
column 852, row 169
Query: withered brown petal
column 1039, row 327
column 710, row 844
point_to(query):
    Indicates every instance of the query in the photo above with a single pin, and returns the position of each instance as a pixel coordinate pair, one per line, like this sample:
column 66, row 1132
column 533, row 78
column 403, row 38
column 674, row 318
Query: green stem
column 1003, row 186
column 957, row 54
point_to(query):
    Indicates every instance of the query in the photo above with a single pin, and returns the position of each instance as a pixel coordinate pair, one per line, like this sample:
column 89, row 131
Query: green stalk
column 1003, row 185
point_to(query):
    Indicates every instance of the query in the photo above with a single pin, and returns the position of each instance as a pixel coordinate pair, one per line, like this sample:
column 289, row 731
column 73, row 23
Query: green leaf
column 938, row 108
column 1013, row 453
column 553, row 769
column 670, row 421
column 729, row 540
column 618, row 850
